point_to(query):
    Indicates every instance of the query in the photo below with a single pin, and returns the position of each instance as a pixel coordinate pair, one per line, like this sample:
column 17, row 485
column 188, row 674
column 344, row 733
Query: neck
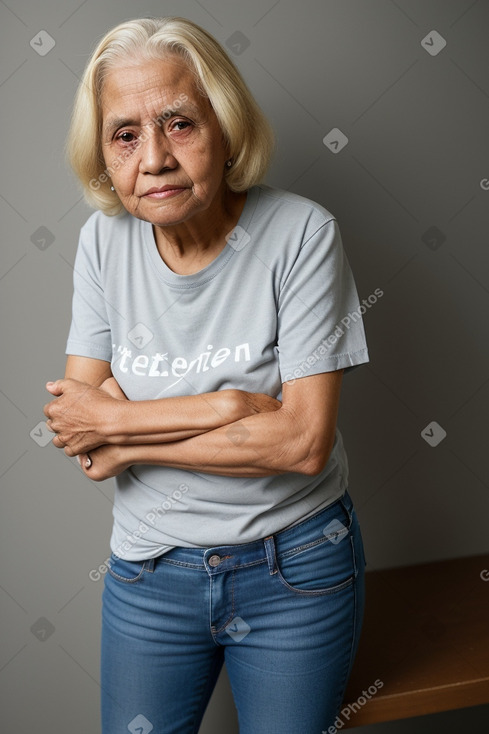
column 191, row 245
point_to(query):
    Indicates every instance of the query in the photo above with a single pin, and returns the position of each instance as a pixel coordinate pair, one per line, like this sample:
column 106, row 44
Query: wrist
column 116, row 421
column 126, row 456
column 131, row 454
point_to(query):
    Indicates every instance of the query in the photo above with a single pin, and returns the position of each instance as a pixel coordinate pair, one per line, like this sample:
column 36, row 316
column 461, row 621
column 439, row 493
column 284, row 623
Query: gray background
column 410, row 191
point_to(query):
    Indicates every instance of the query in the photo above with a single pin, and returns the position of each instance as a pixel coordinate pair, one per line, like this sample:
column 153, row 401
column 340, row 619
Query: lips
column 164, row 192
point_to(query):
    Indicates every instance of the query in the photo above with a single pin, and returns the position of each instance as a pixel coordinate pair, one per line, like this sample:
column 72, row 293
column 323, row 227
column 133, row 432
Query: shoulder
column 283, row 223
column 288, row 207
column 99, row 224
column 102, row 236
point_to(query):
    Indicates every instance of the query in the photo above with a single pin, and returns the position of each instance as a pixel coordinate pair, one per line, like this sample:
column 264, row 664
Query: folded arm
column 296, row 435
column 90, row 410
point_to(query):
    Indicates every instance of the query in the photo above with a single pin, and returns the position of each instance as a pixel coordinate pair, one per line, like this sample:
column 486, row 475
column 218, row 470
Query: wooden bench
column 425, row 637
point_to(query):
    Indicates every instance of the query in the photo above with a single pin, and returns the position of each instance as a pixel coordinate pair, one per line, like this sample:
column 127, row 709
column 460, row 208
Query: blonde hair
column 245, row 129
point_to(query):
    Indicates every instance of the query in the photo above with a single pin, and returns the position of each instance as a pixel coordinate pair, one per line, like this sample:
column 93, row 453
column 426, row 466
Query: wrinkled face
column 161, row 141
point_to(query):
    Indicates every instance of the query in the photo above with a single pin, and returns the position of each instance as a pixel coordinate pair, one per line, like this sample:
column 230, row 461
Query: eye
column 126, row 137
column 180, row 125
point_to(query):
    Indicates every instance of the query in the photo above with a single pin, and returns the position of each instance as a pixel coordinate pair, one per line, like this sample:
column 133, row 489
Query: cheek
column 204, row 161
column 124, row 174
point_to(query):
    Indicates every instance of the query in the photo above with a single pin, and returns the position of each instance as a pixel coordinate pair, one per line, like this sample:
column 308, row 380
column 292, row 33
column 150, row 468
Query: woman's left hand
column 81, row 416
column 105, row 462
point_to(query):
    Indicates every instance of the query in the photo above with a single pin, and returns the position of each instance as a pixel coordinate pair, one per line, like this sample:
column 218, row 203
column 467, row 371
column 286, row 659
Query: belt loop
column 271, row 556
column 347, row 504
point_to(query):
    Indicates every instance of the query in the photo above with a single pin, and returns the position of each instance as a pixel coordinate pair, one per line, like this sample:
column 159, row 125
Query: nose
column 155, row 153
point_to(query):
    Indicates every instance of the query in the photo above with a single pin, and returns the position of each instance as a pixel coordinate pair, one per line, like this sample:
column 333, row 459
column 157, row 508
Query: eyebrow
column 112, row 125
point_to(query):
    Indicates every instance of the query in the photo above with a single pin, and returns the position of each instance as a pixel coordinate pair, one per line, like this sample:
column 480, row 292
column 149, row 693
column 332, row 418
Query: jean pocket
column 129, row 572
column 324, row 566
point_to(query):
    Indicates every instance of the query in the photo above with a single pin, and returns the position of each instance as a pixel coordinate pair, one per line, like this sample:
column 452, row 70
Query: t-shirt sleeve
column 89, row 334
column 320, row 327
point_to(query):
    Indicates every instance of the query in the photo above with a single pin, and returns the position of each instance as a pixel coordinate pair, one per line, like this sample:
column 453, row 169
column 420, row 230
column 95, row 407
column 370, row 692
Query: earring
column 229, row 163
column 112, row 188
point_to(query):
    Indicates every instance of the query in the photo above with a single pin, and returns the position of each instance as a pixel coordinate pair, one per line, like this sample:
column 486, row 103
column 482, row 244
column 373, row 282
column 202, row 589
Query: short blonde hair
column 245, row 129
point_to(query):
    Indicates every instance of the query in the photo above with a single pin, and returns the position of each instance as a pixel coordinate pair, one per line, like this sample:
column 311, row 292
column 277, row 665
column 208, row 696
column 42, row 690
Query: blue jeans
column 284, row 613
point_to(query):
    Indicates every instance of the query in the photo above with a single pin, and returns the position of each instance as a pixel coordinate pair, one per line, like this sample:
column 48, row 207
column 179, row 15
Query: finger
column 82, row 458
column 47, row 410
column 55, row 388
column 58, row 443
column 85, row 461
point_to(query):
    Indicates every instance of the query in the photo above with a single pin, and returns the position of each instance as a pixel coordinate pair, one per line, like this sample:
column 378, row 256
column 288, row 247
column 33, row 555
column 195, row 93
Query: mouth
column 164, row 192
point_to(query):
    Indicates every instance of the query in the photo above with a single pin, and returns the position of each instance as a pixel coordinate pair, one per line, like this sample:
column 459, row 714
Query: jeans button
column 214, row 561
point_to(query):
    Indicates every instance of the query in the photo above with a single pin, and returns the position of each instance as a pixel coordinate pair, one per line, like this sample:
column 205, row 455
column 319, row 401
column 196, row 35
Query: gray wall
column 410, row 191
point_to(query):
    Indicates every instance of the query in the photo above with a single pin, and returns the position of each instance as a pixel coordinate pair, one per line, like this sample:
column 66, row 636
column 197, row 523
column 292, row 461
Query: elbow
column 313, row 464
column 310, row 462
column 314, row 459
column 302, row 449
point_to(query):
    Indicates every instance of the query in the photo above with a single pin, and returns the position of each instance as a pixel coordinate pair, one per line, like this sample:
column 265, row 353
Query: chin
column 169, row 213
column 165, row 218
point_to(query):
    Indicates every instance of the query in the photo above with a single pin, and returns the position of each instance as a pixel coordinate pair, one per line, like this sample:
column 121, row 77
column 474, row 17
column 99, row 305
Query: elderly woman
column 213, row 318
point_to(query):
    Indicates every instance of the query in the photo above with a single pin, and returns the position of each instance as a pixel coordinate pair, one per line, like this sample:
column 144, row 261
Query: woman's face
column 158, row 131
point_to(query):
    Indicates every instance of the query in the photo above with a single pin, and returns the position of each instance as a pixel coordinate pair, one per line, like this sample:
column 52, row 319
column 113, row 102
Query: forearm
column 297, row 437
column 85, row 417
column 259, row 445
column 172, row 419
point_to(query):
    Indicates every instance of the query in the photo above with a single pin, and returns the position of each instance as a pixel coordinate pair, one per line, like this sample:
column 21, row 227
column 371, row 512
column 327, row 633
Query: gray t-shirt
column 278, row 303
